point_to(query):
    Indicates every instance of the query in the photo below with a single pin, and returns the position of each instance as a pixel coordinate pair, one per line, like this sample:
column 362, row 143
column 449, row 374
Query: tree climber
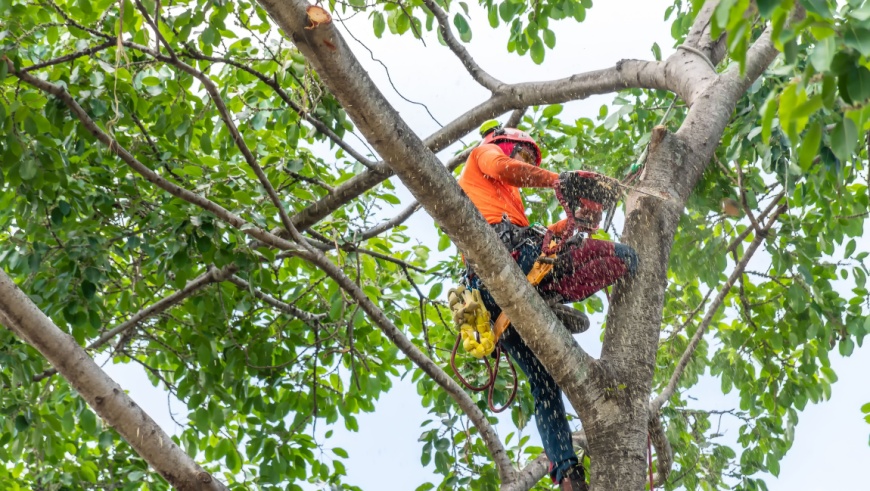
column 506, row 160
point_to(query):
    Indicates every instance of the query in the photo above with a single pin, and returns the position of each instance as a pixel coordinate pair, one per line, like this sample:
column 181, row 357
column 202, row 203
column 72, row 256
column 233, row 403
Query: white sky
column 831, row 443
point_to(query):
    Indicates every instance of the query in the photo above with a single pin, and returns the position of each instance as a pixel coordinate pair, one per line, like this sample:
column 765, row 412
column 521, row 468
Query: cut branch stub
column 317, row 15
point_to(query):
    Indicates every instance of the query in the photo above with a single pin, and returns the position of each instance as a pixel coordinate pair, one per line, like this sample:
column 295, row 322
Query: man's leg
column 582, row 270
column 550, row 415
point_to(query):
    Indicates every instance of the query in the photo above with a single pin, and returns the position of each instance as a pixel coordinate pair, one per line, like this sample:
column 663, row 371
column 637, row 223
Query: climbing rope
column 479, row 340
column 649, row 458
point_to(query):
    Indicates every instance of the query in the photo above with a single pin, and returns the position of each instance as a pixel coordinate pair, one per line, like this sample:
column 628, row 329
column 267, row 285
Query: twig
column 198, row 283
column 278, row 304
column 423, row 324
column 743, row 200
column 71, row 56
column 478, row 74
column 389, row 224
column 516, row 117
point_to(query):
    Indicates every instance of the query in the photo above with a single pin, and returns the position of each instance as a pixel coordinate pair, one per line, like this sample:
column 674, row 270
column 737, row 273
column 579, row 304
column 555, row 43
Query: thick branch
column 477, row 73
column 700, row 34
column 626, row 74
column 516, row 117
column 535, row 470
column 102, row 394
column 664, row 452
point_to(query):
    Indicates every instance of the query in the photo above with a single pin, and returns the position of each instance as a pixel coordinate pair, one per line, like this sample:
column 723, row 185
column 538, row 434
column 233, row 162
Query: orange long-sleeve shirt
column 492, row 180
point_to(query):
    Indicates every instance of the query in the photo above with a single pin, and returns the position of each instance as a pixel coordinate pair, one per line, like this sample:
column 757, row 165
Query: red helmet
column 513, row 135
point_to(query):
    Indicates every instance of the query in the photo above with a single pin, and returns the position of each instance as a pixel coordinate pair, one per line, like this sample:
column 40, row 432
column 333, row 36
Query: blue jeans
column 550, row 417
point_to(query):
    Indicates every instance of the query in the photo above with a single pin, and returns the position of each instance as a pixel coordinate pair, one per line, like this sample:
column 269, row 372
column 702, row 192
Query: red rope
column 489, row 386
column 649, row 454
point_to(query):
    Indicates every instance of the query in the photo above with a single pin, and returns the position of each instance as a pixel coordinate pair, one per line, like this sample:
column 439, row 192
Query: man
column 507, row 160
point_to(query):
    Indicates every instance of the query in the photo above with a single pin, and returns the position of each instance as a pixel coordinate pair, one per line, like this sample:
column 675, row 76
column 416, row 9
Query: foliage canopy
column 260, row 358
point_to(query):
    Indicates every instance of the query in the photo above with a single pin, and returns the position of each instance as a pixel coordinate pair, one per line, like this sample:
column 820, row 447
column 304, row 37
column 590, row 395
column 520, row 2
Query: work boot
column 574, row 480
column 574, row 320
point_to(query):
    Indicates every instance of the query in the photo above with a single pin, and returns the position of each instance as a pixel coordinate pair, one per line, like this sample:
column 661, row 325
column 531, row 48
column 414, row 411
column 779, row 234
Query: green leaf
column 85, row 6
column 850, row 248
column 492, row 16
column 403, row 23
column 436, row 290
column 182, row 128
column 847, row 346
column 379, row 24
column 819, row 7
column 537, row 51
column 773, row 465
column 442, row 444
column 106, row 440
column 766, row 7
column 208, row 36
column 340, row 452
column 858, row 84
column 844, row 139
column 88, row 473
column 823, row 54
column 858, row 38
column 810, row 146
column 797, row 298
column 258, row 122
column 233, row 462
column 549, row 38
column 552, row 110
column 657, row 52
column 28, row 169
column 463, row 28
column 88, row 420
column 88, row 289
column 443, row 242
column 768, row 113
column 21, row 423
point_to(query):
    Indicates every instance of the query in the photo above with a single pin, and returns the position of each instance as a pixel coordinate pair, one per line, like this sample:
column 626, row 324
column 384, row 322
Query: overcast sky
column 831, row 444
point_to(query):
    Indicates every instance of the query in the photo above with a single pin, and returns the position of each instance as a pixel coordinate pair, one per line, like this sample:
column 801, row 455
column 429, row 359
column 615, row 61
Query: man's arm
column 495, row 164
